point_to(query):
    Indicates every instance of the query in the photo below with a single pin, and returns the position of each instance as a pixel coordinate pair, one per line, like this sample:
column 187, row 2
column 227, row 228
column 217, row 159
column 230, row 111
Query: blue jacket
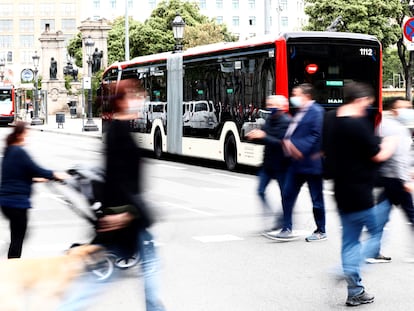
column 274, row 157
column 18, row 169
column 307, row 137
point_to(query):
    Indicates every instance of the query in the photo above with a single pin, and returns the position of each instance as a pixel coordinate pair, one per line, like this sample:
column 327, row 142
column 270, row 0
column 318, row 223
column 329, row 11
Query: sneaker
column 379, row 259
column 283, row 235
column 316, row 236
column 357, row 300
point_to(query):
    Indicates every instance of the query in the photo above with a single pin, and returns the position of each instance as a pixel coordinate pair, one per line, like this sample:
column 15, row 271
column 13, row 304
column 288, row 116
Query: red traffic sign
column 408, row 29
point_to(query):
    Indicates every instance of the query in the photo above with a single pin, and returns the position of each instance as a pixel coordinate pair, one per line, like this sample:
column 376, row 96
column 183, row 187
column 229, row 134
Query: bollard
column 60, row 119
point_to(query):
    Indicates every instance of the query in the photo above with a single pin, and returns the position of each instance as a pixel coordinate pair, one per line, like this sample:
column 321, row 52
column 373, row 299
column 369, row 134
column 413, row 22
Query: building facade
column 21, row 24
column 22, row 21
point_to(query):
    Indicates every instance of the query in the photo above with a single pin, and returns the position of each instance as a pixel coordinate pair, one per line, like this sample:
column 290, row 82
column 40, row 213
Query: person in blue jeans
column 275, row 162
column 128, row 231
column 302, row 143
column 354, row 152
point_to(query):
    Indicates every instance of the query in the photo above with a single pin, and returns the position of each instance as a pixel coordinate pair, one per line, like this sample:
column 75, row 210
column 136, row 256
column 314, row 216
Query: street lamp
column 36, row 120
column 178, row 26
column 90, row 125
column 2, row 67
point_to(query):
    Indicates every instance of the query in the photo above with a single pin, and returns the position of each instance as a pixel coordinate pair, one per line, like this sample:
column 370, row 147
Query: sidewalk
column 71, row 126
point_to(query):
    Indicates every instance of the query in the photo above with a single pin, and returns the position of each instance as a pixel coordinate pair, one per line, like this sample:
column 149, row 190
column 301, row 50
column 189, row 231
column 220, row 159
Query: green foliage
column 376, row 17
column 155, row 34
column 391, row 66
column 74, row 49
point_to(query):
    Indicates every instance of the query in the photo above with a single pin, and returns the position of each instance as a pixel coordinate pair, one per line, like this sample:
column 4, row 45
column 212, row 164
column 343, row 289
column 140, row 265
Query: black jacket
column 275, row 128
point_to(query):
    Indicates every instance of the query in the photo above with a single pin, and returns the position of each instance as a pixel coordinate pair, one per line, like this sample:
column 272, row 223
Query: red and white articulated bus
column 7, row 104
column 201, row 102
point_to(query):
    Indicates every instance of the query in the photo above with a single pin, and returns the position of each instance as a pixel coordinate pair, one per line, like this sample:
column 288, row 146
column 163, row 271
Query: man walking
column 395, row 177
column 275, row 162
column 302, row 142
column 355, row 151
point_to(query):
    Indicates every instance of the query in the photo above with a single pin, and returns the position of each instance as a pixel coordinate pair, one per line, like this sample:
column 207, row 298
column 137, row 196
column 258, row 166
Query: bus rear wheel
column 230, row 152
column 157, row 144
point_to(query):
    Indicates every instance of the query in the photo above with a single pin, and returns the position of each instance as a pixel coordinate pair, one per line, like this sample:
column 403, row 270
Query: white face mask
column 296, row 101
column 405, row 116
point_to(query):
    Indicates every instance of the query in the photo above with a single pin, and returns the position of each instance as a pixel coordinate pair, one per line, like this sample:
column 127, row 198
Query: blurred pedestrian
column 394, row 174
column 302, row 142
column 355, row 152
column 124, row 228
column 275, row 162
column 19, row 171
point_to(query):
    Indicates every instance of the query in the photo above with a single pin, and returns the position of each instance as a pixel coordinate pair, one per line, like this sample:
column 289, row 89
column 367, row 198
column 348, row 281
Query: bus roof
column 251, row 42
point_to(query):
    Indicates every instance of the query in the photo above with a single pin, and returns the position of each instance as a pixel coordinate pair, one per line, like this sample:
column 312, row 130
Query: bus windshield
column 5, row 101
column 328, row 65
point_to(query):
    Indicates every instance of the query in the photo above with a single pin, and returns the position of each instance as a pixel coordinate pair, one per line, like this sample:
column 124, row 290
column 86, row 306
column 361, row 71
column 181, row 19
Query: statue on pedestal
column 53, row 69
column 96, row 60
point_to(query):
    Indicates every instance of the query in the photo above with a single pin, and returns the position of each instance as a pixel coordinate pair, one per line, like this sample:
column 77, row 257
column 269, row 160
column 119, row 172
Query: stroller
column 89, row 183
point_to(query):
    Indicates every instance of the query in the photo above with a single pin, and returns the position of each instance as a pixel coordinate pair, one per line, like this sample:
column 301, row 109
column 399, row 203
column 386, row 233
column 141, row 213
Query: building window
column 68, row 9
column 236, row 21
column 130, row 4
column 219, row 4
column 252, row 4
column 202, row 4
column 6, row 41
column 252, row 20
column 47, row 9
column 152, row 4
column 283, row 6
column 113, row 4
column 284, row 21
column 26, row 25
column 26, row 57
column 235, row 4
column 51, row 23
column 26, row 9
column 6, row 25
column 6, row 10
column 96, row 4
column 219, row 20
column 69, row 25
column 26, row 41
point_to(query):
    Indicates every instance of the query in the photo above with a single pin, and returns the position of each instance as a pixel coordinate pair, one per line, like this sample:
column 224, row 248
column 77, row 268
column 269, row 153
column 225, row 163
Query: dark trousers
column 265, row 177
column 393, row 190
column 291, row 189
column 18, row 225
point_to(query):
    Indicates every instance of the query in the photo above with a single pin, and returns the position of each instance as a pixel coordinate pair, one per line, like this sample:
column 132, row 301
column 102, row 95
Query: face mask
column 405, row 116
column 296, row 101
column 273, row 111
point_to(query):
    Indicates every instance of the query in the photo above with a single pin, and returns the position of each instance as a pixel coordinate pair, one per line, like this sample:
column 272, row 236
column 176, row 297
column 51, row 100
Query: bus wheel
column 230, row 152
column 157, row 144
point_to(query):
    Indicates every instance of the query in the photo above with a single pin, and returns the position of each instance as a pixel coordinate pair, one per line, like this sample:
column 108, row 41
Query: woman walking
column 18, row 174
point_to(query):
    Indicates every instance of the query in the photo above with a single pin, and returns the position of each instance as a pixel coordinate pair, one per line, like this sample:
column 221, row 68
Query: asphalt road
column 211, row 255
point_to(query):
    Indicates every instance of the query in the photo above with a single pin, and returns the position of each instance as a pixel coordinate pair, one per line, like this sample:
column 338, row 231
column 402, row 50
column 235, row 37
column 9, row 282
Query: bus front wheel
column 230, row 152
column 157, row 144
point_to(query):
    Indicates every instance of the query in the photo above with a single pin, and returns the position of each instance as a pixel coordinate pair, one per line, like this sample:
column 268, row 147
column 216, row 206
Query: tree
column 74, row 49
column 155, row 34
column 375, row 17
column 393, row 70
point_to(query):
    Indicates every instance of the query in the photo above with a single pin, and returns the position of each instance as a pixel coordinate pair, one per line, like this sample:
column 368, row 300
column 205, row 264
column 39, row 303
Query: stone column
column 52, row 45
column 98, row 31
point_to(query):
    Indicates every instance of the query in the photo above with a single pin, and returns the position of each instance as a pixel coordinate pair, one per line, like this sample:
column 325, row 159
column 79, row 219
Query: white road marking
column 227, row 175
column 171, row 166
column 217, row 238
column 168, row 204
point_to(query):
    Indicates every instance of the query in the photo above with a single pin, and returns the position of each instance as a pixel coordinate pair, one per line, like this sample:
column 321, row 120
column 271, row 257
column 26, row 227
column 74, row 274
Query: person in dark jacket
column 123, row 187
column 18, row 173
column 275, row 162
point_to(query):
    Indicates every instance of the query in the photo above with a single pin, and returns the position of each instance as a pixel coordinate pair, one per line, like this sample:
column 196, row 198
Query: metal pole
column 36, row 120
column 90, row 125
column 126, row 31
